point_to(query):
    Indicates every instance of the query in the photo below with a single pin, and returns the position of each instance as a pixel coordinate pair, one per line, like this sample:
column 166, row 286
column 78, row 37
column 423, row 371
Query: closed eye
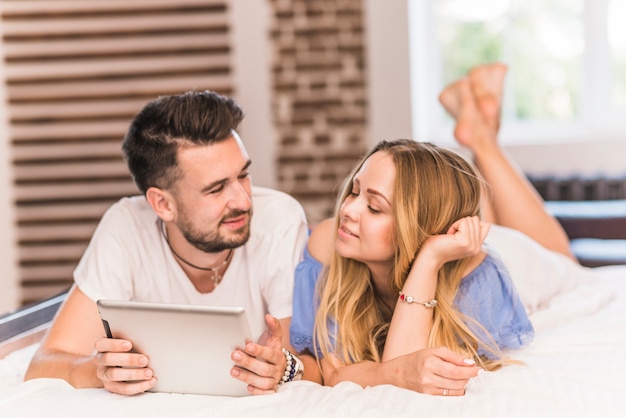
column 217, row 189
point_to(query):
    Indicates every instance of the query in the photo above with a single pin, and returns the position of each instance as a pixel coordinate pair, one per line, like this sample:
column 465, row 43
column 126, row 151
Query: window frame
column 599, row 117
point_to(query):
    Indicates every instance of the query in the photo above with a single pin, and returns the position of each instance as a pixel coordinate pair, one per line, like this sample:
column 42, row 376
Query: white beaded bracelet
column 293, row 369
column 409, row 299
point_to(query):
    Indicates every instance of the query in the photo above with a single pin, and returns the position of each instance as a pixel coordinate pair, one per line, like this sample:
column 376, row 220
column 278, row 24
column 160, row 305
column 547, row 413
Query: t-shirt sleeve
column 304, row 304
column 488, row 296
column 284, row 255
column 103, row 271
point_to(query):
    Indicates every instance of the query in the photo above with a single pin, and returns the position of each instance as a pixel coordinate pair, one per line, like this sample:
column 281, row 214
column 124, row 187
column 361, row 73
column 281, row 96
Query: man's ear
column 162, row 203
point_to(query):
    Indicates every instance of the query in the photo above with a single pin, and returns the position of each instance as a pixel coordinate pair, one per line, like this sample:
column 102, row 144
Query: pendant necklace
column 217, row 277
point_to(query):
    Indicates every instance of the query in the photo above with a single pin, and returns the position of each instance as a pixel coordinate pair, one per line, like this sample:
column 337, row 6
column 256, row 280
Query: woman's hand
column 464, row 239
column 435, row 371
column 120, row 370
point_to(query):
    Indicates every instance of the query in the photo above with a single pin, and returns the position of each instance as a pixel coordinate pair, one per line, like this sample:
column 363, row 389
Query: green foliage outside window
column 542, row 42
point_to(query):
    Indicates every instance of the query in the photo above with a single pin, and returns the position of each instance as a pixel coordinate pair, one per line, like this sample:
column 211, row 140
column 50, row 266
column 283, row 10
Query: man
column 190, row 238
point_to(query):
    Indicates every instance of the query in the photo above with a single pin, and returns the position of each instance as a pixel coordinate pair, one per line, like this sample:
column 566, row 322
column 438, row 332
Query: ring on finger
column 445, row 392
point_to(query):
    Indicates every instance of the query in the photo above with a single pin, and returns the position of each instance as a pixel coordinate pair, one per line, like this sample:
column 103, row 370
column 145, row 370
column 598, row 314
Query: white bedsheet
column 574, row 368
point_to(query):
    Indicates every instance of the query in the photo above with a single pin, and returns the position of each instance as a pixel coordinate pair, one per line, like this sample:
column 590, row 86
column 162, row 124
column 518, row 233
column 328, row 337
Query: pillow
column 538, row 273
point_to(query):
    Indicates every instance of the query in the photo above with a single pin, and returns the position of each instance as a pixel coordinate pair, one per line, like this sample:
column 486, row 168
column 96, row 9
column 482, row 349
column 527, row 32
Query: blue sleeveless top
column 486, row 295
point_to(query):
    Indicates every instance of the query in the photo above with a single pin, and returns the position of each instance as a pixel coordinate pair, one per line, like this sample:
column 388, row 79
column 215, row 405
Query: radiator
column 580, row 188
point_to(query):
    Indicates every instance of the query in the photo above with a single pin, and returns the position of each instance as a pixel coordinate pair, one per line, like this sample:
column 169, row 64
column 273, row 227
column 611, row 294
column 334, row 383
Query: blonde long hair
column 433, row 188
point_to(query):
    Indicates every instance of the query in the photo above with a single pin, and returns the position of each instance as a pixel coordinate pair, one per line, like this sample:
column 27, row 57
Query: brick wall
column 320, row 104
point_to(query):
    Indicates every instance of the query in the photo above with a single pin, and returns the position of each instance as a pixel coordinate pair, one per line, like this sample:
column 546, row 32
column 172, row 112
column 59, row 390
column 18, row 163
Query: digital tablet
column 189, row 346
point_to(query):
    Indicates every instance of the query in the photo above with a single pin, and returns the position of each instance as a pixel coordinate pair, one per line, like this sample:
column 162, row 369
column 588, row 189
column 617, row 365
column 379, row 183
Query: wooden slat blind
column 75, row 74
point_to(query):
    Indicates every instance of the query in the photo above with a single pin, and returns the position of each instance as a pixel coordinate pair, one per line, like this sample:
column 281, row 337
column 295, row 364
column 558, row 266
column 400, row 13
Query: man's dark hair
column 163, row 125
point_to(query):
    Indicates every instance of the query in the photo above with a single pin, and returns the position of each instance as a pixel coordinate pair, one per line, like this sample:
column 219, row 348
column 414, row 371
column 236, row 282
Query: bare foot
column 487, row 83
column 471, row 129
column 450, row 97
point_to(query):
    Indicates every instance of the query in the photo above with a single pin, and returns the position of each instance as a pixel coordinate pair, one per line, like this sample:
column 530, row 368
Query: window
column 566, row 58
column 617, row 43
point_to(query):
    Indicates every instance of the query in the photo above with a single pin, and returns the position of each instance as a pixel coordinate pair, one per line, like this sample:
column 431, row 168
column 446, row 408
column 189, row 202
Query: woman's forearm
column 424, row 371
column 365, row 373
column 412, row 320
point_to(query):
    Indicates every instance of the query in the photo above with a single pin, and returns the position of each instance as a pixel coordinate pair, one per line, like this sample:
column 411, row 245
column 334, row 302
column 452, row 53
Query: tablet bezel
column 189, row 346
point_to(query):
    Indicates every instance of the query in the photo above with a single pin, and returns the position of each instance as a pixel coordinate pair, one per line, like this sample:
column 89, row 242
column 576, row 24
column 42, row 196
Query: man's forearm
column 77, row 370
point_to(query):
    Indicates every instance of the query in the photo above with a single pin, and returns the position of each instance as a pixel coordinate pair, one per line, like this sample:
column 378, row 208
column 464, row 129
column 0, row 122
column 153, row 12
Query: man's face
column 213, row 197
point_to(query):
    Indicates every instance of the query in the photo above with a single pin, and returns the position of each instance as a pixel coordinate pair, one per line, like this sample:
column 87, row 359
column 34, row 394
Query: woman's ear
column 162, row 202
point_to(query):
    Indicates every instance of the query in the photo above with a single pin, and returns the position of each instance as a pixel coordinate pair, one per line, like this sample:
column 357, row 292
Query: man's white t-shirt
column 128, row 259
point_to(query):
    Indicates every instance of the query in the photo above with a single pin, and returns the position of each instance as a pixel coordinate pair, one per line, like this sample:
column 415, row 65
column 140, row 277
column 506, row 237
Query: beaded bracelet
column 409, row 299
column 290, row 368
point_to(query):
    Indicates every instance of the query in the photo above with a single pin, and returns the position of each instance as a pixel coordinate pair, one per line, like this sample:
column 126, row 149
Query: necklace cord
column 217, row 277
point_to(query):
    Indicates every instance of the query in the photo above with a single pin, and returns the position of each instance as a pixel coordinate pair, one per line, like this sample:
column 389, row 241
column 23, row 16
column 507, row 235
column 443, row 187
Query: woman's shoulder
column 321, row 241
column 488, row 277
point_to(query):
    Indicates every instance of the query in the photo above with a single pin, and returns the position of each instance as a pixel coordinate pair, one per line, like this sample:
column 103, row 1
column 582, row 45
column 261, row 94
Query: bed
column 575, row 367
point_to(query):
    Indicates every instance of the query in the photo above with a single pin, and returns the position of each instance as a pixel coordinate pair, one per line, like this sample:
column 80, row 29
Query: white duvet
column 575, row 367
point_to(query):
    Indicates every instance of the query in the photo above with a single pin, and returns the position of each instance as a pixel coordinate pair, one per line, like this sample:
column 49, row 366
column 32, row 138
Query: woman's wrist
column 424, row 266
column 421, row 283
column 428, row 260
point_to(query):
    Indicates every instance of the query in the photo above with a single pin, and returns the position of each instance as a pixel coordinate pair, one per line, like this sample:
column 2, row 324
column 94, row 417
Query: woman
column 474, row 102
column 407, row 271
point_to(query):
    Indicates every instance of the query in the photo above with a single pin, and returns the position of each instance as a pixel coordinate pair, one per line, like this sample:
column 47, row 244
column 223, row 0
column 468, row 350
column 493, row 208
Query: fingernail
column 469, row 361
column 126, row 345
column 143, row 361
column 250, row 348
column 236, row 356
column 148, row 373
column 234, row 372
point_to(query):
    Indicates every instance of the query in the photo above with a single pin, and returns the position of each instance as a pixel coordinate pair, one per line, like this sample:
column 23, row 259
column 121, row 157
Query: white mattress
column 575, row 367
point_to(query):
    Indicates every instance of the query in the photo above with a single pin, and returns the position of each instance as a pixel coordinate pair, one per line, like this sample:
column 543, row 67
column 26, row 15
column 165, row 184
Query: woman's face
column 366, row 218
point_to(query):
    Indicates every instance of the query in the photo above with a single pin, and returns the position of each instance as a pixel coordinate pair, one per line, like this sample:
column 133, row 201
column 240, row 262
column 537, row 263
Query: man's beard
column 213, row 242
